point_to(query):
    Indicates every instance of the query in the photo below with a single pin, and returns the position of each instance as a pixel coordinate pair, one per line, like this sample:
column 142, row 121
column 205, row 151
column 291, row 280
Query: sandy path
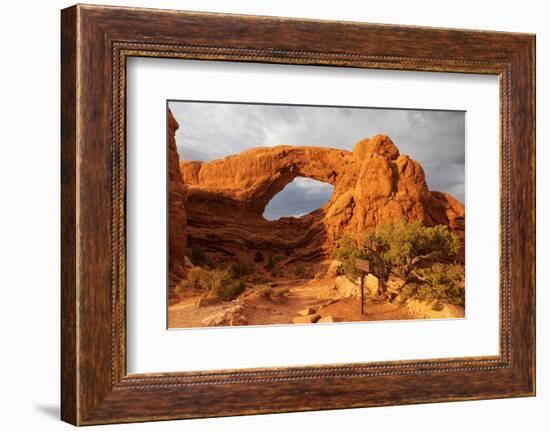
column 185, row 314
column 281, row 309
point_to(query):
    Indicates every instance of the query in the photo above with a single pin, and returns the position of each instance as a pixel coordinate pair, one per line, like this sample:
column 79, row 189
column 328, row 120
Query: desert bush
column 197, row 256
column 240, row 269
column 403, row 249
column 261, row 280
column 407, row 244
column 258, row 257
column 183, row 287
column 277, row 272
column 347, row 252
column 270, row 293
column 198, row 278
column 231, row 289
column 442, row 282
column 223, row 285
column 216, row 280
column 265, row 292
column 270, row 264
column 408, row 291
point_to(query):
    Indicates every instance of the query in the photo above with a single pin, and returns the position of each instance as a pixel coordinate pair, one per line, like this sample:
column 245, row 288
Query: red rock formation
column 373, row 185
column 177, row 218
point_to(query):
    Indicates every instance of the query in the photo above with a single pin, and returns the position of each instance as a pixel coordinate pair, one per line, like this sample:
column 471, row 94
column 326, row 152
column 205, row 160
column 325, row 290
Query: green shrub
column 407, row 292
column 271, row 293
column 258, row 257
column 438, row 282
column 231, row 289
column 240, row 269
column 220, row 283
column 183, row 287
column 348, row 251
column 261, row 280
column 216, row 280
column 265, row 292
column 276, row 273
column 198, row 278
column 406, row 244
column 270, row 264
column 442, row 282
column 403, row 249
column 197, row 256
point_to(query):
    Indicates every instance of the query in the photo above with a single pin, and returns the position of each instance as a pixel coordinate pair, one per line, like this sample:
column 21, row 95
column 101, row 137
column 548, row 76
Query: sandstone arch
column 373, row 184
column 254, row 177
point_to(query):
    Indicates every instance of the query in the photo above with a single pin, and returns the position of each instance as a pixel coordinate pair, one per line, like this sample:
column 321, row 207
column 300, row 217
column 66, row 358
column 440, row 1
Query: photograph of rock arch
column 300, row 214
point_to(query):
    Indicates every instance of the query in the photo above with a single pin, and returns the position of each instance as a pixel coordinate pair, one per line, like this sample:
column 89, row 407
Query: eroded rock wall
column 373, row 185
column 177, row 215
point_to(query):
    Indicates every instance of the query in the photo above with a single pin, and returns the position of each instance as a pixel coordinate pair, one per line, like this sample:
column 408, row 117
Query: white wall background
column 29, row 224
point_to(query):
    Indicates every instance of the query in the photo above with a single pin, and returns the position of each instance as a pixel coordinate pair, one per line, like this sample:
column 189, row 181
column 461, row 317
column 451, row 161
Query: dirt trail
column 285, row 298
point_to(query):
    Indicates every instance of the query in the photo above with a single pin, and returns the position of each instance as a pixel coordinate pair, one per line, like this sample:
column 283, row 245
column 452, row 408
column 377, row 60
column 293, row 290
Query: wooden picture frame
column 96, row 41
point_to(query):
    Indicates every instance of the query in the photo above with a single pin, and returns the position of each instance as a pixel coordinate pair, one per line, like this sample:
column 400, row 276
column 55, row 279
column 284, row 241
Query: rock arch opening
column 299, row 197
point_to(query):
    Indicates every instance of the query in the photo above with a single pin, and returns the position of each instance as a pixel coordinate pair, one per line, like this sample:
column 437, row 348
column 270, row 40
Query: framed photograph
column 263, row 214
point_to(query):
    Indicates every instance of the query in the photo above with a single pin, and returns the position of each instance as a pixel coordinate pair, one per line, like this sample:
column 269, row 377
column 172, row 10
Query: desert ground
column 287, row 300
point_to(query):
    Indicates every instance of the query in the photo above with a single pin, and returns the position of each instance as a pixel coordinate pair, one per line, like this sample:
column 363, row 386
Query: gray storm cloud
column 436, row 139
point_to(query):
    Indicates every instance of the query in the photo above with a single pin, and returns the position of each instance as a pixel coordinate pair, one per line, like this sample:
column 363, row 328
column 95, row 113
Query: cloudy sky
column 436, row 139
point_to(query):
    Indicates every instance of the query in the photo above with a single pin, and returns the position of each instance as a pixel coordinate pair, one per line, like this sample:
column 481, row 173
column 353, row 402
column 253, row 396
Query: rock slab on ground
column 312, row 318
column 434, row 309
column 306, row 311
column 329, row 319
column 207, row 301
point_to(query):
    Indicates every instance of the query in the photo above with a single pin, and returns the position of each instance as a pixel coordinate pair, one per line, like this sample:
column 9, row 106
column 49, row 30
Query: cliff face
column 373, row 185
column 177, row 217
